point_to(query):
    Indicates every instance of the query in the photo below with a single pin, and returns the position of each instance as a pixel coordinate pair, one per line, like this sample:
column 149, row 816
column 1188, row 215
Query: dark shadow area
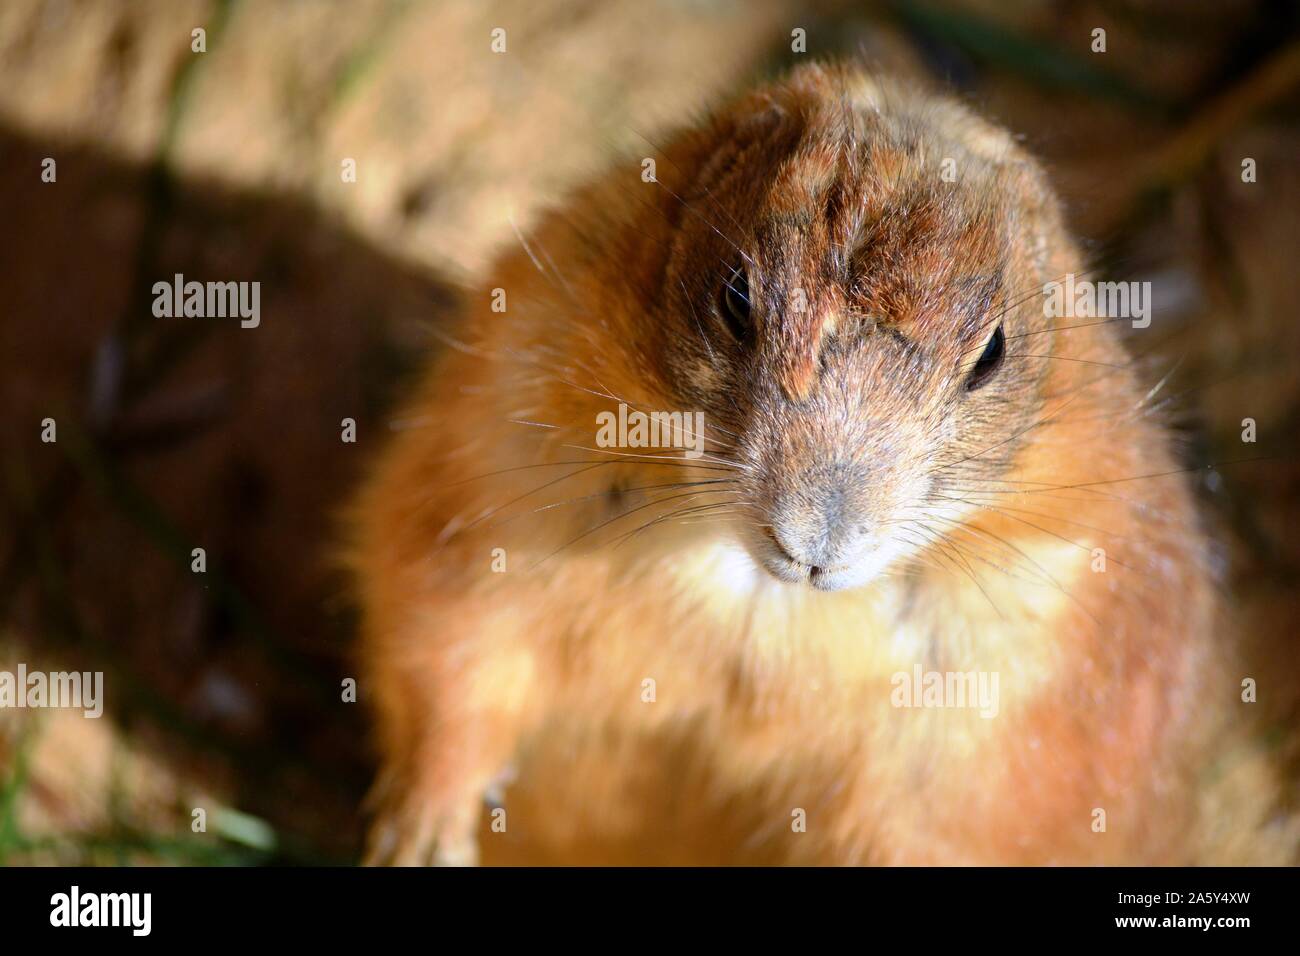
column 183, row 433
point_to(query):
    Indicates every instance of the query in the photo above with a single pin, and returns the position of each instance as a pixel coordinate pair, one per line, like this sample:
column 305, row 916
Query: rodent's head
column 849, row 287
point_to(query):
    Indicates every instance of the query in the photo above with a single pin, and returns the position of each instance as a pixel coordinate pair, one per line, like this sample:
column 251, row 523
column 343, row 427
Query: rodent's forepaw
column 424, row 833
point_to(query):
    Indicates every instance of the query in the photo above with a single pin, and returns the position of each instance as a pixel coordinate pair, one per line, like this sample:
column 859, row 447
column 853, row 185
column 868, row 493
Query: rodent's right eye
column 734, row 303
column 989, row 360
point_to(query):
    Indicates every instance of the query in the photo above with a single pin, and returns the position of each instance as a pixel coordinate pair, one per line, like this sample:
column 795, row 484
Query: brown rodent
column 907, row 470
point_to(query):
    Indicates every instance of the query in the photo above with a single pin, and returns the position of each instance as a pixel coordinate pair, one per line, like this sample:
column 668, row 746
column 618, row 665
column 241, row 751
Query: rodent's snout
column 820, row 528
column 822, row 533
column 833, row 486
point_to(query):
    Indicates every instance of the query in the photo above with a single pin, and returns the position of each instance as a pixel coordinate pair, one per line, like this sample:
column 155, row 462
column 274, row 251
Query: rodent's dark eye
column 734, row 303
column 988, row 361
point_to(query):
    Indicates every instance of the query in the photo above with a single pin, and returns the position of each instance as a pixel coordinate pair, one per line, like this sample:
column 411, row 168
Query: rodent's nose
column 820, row 537
column 816, row 554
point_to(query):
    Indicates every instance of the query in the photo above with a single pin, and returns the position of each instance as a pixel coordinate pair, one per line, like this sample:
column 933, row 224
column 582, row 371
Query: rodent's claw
column 494, row 794
column 458, row 852
column 423, row 835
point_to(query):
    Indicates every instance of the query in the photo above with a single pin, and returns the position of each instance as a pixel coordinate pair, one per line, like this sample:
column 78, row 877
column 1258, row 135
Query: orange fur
column 1108, row 680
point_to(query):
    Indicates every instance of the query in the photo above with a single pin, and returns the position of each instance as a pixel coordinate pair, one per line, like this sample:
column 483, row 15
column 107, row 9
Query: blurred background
column 223, row 688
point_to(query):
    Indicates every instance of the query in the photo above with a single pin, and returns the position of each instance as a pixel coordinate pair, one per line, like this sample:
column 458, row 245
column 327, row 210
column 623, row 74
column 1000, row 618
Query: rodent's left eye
column 988, row 361
column 734, row 302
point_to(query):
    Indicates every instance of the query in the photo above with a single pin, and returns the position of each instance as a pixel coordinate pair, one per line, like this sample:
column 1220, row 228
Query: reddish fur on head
column 883, row 236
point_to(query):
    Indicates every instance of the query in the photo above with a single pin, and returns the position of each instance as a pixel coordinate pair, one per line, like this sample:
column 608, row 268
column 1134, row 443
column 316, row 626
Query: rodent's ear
column 756, row 117
column 1041, row 218
column 764, row 122
column 755, row 125
column 1030, row 183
